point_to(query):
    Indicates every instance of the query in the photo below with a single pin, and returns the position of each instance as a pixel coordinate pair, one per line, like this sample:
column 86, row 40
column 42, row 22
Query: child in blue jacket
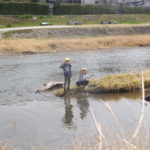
column 66, row 66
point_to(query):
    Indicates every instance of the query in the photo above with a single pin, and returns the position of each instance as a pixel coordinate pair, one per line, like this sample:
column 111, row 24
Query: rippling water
column 28, row 118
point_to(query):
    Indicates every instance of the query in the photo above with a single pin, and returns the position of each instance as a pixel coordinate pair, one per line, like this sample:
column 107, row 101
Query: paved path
column 35, row 27
column 66, row 26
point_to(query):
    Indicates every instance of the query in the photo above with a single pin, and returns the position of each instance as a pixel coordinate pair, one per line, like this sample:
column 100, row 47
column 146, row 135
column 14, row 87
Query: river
column 30, row 119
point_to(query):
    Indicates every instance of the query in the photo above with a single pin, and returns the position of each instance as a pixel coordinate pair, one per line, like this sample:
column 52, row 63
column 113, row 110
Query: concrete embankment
column 78, row 31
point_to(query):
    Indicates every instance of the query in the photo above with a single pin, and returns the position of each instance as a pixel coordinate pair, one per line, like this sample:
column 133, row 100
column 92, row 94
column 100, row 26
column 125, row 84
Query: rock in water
column 50, row 86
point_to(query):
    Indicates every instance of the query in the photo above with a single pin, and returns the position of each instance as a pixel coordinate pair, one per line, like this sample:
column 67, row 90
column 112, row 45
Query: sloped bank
column 118, row 83
column 79, row 31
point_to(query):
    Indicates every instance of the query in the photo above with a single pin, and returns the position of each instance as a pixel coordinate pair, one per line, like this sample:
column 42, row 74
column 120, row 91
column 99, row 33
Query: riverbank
column 118, row 83
column 73, row 38
column 31, row 46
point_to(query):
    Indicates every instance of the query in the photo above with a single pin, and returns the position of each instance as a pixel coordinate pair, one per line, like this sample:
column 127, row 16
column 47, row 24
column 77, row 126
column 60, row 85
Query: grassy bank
column 112, row 84
column 27, row 20
column 13, row 46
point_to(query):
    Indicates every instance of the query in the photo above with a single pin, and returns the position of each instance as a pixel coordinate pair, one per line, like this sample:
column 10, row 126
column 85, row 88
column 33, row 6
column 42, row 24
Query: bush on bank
column 136, row 10
column 85, row 9
column 15, row 8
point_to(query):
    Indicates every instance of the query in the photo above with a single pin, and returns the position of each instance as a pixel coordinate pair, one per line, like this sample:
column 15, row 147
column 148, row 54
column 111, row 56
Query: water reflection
column 68, row 118
column 118, row 96
column 83, row 105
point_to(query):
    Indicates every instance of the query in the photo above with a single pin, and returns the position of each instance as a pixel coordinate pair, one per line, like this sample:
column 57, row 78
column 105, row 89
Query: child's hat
column 67, row 59
column 83, row 69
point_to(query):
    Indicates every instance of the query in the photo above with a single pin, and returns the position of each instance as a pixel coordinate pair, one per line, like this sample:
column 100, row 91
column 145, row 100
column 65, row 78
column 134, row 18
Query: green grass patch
column 27, row 20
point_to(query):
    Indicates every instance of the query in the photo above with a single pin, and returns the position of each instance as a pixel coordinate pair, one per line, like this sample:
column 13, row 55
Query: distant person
column 82, row 78
column 66, row 66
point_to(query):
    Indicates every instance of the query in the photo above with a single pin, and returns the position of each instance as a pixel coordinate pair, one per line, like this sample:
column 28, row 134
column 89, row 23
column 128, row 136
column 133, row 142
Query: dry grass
column 11, row 46
column 117, row 146
column 113, row 84
column 5, row 146
column 119, row 83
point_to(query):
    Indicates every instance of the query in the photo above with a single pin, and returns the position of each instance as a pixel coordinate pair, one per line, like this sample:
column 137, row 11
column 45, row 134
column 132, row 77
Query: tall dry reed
column 129, row 143
column 57, row 44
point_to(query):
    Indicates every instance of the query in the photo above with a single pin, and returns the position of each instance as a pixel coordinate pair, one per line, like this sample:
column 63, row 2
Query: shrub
column 136, row 10
column 15, row 8
column 26, row 16
column 83, row 9
column 8, row 25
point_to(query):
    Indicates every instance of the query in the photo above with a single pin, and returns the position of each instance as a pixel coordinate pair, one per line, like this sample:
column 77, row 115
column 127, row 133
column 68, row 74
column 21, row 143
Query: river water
column 30, row 119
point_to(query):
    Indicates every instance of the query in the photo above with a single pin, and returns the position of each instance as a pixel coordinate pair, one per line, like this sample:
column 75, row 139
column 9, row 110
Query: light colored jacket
column 82, row 77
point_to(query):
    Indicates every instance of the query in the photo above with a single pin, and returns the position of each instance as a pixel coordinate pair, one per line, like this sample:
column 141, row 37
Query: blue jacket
column 67, row 70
